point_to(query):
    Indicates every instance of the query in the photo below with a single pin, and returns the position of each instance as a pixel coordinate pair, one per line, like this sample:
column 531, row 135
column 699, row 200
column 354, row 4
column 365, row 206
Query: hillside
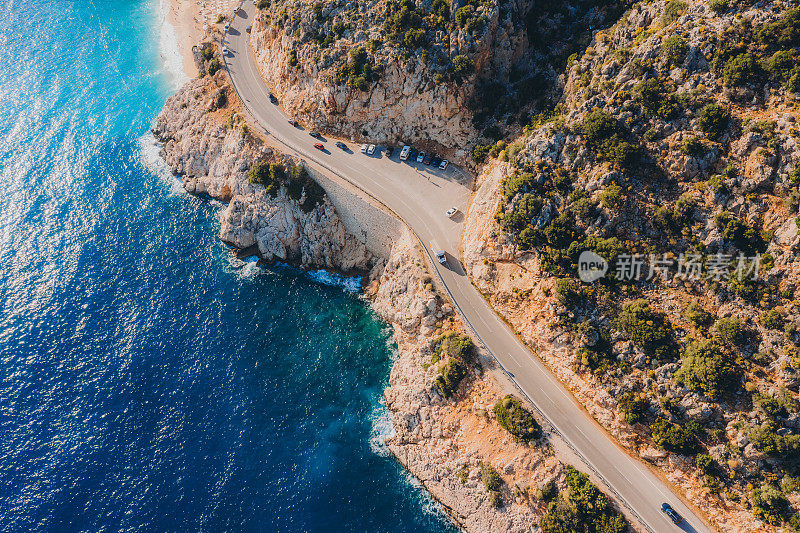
column 671, row 153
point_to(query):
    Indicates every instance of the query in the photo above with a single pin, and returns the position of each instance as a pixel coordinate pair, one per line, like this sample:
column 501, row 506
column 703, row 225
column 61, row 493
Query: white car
column 224, row 51
column 364, row 148
column 443, row 164
column 371, row 149
column 440, row 255
column 420, row 157
column 227, row 27
column 451, row 212
column 404, row 152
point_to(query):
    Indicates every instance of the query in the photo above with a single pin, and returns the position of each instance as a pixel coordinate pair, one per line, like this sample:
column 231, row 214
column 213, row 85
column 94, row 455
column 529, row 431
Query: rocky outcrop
column 409, row 94
column 210, row 148
column 443, row 442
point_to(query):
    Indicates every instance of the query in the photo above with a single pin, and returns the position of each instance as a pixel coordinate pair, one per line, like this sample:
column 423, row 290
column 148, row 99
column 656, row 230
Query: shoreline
column 183, row 17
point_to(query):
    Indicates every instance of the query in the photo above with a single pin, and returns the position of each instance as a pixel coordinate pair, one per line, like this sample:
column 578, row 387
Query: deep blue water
column 148, row 382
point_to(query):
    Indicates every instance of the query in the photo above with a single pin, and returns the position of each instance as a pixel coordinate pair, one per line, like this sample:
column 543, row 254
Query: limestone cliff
column 207, row 143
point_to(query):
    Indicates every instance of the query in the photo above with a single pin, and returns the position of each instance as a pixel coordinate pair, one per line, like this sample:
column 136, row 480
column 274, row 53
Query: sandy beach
column 191, row 19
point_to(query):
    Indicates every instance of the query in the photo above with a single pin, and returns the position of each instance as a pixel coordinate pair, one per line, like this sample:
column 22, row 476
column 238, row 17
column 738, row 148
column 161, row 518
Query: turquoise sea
column 149, row 382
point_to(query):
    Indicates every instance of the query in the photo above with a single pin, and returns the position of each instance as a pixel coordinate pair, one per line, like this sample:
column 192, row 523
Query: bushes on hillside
column 357, row 71
column 674, row 49
column 463, row 66
column 270, row 175
column 713, row 119
column 649, row 330
column 673, row 438
column 634, row 407
column 517, row 420
column 770, row 504
column 457, row 349
column 766, row 439
column 213, row 66
column 582, row 507
column 493, row 483
column 707, row 368
column 606, row 138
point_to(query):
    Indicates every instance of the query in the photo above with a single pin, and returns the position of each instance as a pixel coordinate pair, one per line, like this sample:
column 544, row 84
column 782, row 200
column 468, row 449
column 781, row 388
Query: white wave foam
column 169, row 51
column 150, row 158
column 382, row 429
column 245, row 268
column 349, row 284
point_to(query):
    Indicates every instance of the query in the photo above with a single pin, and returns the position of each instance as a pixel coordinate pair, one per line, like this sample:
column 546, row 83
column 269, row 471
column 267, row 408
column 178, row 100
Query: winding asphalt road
column 420, row 196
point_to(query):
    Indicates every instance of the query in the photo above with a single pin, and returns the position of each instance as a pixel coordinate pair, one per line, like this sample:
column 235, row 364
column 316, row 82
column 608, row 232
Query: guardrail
column 552, row 427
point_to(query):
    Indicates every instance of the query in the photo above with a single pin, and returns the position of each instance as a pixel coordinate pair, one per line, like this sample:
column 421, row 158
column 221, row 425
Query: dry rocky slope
column 444, row 407
column 432, row 73
column 676, row 133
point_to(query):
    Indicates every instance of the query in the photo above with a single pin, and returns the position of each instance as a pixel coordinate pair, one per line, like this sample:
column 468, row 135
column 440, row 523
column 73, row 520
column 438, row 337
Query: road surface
column 420, row 195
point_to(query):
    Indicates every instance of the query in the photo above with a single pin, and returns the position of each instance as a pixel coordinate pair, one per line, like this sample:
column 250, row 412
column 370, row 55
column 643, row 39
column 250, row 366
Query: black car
column 316, row 134
column 272, row 98
column 671, row 513
column 427, row 160
column 341, row 145
column 435, row 162
column 389, row 151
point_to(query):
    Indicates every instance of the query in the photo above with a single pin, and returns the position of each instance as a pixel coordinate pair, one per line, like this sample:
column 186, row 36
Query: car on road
column 224, row 50
column 443, row 164
column 440, row 255
column 420, row 157
column 227, row 26
column 389, row 151
column 364, row 148
column 249, row 29
column 316, row 134
column 671, row 513
column 273, row 98
column 294, row 123
column 371, row 149
column 427, row 160
column 404, row 152
column 451, row 212
column 341, row 145
column 319, row 146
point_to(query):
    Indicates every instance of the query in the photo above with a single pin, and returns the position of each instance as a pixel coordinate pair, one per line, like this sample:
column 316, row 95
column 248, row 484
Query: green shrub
column 707, row 368
column 358, row 71
column 493, row 483
column 739, row 70
column 647, row 329
column 463, row 66
column 606, row 138
column 458, row 350
column 730, row 331
column 784, row 32
column 773, row 319
column 581, row 508
column 450, row 376
column 262, row 4
column 674, row 49
column 783, row 68
column 697, row 315
column 547, row 491
column 672, row 11
column 747, row 239
column 220, row 99
column 673, row 438
column 517, row 420
column 713, row 119
column 718, row 6
column 611, row 196
column 213, row 66
column 270, row 175
column 634, row 407
column 693, row 147
column 766, row 439
column 292, row 59
column 208, row 52
column 706, row 464
column 479, row 153
column 770, row 504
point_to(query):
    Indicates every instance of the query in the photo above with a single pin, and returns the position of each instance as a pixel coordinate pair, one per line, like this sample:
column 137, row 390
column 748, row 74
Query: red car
column 319, row 146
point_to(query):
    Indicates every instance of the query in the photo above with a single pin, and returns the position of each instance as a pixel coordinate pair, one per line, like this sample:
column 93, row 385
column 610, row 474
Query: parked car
column 427, row 160
column 273, row 98
column 319, row 146
column 671, row 513
column 371, row 149
column 451, row 212
column 420, row 157
column 224, row 50
column 227, row 26
column 294, row 123
column 364, row 148
column 404, row 152
column 435, row 162
column 341, row 145
column 316, row 135
column 389, row 151
column 443, row 164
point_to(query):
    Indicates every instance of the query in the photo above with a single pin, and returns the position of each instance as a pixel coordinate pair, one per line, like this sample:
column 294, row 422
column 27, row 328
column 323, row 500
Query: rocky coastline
column 446, row 443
